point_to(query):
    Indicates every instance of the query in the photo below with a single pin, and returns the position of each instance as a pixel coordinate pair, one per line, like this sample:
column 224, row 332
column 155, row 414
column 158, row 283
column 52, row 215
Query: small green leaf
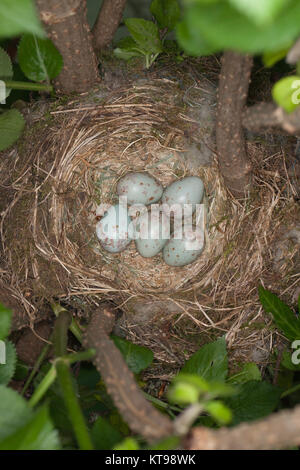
column 17, row 17
column 14, row 412
column 260, row 12
column 104, row 435
column 127, row 444
column 137, row 357
column 254, row 400
column 250, row 371
column 210, row 362
column 271, row 58
column 37, row 434
column 170, row 443
column 5, row 315
column 124, row 54
column 6, row 71
column 7, row 370
column 146, row 34
column 38, row 58
column 286, row 93
column 283, row 316
column 12, row 124
column 183, row 393
column 220, row 412
column 166, row 13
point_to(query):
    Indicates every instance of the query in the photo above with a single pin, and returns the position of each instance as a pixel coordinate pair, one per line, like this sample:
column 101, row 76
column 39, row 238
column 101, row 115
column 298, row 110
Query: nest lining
column 152, row 127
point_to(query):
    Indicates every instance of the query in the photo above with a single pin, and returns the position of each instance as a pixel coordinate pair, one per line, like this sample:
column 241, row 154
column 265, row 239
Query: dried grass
column 78, row 158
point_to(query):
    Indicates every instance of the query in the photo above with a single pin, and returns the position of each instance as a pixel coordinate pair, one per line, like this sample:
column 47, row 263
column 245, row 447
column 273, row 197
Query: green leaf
column 127, row 444
column 220, row 412
column 261, row 12
column 6, row 71
column 124, row 54
column 191, row 40
column 137, row 357
column 210, row 362
column 37, row 434
column 271, row 58
column 38, row 58
column 14, row 412
column 287, row 362
column 12, row 124
column 104, row 435
column 283, row 316
column 166, row 13
column 7, row 370
column 286, row 93
column 183, row 393
column 250, row 371
column 145, row 33
column 223, row 27
column 169, row 443
column 254, row 400
column 17, row 17
column 5, row 315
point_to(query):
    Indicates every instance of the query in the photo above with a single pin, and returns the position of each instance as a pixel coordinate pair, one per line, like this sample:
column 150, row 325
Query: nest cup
column 72, row 161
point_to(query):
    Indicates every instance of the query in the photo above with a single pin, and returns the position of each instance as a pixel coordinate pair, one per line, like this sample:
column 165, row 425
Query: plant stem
column 36, row 367
column 31, row 86
column 43, row 387
column 74, row 411
column 74, row 327
column 290, row 390
column 80, row 356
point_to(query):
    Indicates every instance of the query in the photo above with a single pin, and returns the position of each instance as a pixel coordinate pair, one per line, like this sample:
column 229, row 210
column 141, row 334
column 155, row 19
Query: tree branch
column 107, row 23
column 233, row 89
column 268, row 115
column 66, row 25
column 278, row 431
column 140, row 415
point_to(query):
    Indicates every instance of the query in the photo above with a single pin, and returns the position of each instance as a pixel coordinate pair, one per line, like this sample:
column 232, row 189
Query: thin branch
column 107, row 22
column 140, row 415
column 268, row 115
column 278, row 431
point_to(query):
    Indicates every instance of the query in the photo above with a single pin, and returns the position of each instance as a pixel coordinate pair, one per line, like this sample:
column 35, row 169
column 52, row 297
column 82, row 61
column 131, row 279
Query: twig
column 278, row 431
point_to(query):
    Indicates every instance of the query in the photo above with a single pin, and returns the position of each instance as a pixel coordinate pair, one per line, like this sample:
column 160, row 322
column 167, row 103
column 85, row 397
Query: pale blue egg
column 113, row 229
column 184, row 247
column 153, row 231
column 183, row 194
column 139, row 188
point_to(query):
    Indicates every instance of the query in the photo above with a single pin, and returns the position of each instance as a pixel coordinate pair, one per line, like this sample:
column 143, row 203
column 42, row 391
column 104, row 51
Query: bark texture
column 279, row 431
column 233, row 89
column 107, row 22
column 66, row 24
column 140, row 415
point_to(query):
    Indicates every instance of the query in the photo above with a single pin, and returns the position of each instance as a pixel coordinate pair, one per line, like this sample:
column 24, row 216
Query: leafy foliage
column 6, row 70
column 7, row 370
column 17, row 17
column 284, row 317
column 210, row 362
column 166, row 13
column 286, row 93
column 12, row 124
column 209, row 27
column 137, row 357
column 5, row 321
column 38, row 58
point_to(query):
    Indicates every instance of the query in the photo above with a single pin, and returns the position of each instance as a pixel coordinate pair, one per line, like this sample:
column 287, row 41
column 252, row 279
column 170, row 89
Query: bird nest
column 71, row 160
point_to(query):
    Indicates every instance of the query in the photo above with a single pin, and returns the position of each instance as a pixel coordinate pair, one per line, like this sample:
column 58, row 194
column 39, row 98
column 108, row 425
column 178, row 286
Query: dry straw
column 72, row 160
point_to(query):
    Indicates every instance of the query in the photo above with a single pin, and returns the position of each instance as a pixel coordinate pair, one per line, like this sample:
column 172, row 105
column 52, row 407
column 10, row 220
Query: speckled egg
column 187, row 191
column 140, row 188
column 152, row 233
column 113, row 229
column 184, row 247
